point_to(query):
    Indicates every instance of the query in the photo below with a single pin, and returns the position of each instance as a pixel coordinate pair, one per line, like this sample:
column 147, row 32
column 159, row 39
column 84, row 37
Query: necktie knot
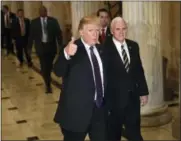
column 91, row 48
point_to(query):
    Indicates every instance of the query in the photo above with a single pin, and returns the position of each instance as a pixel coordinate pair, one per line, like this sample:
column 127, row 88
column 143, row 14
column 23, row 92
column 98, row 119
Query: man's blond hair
column 91, row 19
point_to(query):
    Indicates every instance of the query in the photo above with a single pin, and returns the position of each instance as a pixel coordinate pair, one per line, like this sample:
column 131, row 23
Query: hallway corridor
column 27, row 112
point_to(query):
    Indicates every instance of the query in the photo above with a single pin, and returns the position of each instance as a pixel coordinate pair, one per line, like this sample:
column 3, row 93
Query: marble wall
column 170, row 31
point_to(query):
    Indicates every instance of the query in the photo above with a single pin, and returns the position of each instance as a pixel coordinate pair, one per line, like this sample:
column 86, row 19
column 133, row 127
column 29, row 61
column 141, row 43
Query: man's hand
column 143, row 100
column 71, row 48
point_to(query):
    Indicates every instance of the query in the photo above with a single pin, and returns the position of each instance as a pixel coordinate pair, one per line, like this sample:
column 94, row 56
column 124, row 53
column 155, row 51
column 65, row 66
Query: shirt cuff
column 66, row 55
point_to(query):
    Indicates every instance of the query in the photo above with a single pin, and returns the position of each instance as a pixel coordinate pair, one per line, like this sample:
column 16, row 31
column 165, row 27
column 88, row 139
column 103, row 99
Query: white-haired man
column 126, row 83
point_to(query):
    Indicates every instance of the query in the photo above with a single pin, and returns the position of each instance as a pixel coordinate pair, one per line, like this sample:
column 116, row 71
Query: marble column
column 81, row 9
column 31, row 9
column 15, row 5
column 56, row 9
column 144, row 23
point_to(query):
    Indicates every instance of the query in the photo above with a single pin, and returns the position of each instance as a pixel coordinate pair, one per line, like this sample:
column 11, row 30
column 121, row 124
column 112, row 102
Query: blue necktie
column 98, row 82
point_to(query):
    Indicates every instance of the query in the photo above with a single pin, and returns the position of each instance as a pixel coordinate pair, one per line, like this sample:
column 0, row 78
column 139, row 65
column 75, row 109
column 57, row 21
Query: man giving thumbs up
column 81, row 108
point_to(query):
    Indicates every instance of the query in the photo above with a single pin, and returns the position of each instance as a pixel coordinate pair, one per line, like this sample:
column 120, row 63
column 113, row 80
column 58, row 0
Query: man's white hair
column 117, row 19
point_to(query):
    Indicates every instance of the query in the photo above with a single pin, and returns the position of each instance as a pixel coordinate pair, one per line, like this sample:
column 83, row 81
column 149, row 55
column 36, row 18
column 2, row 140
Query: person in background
column 8, row 18
column 45, row 32
column 20, row 29
column 104, row 17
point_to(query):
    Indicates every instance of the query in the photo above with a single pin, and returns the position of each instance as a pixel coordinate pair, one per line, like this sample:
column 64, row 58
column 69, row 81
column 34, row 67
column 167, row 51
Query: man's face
column 43, row 12
column 21, row 14
column 119, row 30
column 104, row 19
column 90, row 33
column 5, row 10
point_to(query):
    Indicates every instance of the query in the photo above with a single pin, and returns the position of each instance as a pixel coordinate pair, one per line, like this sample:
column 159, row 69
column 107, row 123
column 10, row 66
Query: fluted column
column 31, row 9
column 144, row 22
column 56, row 9
column 81, row 9
column 15, row 5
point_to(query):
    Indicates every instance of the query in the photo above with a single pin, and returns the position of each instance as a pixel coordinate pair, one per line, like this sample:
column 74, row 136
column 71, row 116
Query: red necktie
column 103, row 35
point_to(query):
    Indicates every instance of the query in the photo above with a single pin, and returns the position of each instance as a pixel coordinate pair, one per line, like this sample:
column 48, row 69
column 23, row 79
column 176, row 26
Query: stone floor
column 27, row 112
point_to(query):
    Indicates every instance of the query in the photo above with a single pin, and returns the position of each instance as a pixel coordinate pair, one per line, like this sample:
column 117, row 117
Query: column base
column 156, row 118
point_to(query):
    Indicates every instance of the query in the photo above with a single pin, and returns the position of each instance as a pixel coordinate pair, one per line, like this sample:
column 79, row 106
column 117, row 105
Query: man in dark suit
column 8, row 18
column 45, row 32
column 2, row 29
column 81, row 107
column 104, row 17
column 126, row 83
column 20, row 29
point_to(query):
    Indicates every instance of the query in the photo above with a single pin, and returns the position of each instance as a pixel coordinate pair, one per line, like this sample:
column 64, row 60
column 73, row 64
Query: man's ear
column 81, row 32
column 111, row 31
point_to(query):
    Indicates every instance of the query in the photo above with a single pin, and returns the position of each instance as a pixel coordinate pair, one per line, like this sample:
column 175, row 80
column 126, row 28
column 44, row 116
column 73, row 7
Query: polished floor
column 27, row 112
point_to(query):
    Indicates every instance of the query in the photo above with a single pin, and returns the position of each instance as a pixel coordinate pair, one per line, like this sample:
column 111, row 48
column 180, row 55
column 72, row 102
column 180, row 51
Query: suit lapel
column 82, row 51
column 48, row 25
column 130, row 51
column 117, row 55
column 40, row 26
column 108, row 32
column 98, row 46
column 83, row 56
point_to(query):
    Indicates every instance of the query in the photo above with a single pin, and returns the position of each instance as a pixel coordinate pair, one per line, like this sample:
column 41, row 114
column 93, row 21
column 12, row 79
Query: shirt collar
column 86, row 45
column 43, row 18
column 118, row 43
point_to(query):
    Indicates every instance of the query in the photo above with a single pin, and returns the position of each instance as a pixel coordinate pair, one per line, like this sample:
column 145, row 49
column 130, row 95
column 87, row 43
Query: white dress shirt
column 6, row 17
column 23, row 25
column 44, row 35
column 87, row 48
column 118, row 47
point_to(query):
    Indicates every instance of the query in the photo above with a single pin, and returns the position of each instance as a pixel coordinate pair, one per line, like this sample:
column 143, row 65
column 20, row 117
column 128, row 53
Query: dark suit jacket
column 54, row 36
column 108, row 34
column 76, row 102
column 2, row 23
column 12, row 17
column 16, row 29
column 121, row 86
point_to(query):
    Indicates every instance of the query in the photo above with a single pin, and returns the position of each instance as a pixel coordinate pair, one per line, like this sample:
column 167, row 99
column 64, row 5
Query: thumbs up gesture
column 71, row 48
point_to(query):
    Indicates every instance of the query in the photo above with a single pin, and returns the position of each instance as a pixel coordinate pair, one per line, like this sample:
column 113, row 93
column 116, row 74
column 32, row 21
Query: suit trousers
column 46, row 64
column 21, row 45
column 96, row 129
column 128, row 116
column 8, row 40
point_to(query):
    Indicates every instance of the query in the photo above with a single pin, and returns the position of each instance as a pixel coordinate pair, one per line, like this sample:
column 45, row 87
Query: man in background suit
column 81, row 108
column 104, row 17
column 45, row 32
column 126, row 83
column 8, row 18
column 2, row 29
column 20, row 29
